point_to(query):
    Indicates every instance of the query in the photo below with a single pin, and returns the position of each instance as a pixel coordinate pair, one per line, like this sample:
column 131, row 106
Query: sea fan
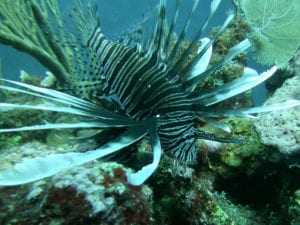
column 146, row 86
column 275, row 30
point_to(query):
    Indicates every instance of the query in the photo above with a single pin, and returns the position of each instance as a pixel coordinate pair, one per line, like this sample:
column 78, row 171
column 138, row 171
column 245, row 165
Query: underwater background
column 114, row 21
column 256, row 182
column 117, row 16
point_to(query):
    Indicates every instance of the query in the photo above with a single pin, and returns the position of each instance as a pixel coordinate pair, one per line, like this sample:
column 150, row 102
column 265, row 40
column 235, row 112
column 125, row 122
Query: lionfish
column 146, row 86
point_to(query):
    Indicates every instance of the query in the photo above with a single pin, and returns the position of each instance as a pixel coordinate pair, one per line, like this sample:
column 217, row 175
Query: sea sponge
column 281, row 129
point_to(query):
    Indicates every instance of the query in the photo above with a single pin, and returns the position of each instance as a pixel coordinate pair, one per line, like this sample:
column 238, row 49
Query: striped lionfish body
column 155, row 82
column 146, row 86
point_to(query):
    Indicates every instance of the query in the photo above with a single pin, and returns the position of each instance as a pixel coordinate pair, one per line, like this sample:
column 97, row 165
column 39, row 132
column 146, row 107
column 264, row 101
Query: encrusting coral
column 92, row 194
column 282, row 129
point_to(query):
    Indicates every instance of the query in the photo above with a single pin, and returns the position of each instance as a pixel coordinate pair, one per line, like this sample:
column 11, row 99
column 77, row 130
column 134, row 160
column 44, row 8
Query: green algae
column 232, row 157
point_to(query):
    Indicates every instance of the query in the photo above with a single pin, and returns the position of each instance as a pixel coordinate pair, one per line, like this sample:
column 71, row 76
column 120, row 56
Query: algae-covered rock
column 95, row 193
column 10, row 141
column 192, row 200
column 232, row 158
column 21, row 118
column 294, row 208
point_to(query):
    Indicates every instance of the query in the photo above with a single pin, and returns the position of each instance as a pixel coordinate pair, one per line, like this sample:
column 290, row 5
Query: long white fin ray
column 33, row 169
column 144, row 173
column 249, row 80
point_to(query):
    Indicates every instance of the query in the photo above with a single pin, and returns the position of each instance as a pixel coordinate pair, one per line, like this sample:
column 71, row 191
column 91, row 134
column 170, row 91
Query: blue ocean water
column 117, row 16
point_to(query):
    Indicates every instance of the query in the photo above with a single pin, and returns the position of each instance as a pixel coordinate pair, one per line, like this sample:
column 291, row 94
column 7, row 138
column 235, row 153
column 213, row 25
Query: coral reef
column 231, row 159
column 235, row 32
column 95, row 192
column 282, row 129
column 23, row 118
column 188, row 197
column 294, row 208
column 1, row 75
column 295, row 62
column 278, row 79
column 282, row 74
column 232, row 184
column 98, row 191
